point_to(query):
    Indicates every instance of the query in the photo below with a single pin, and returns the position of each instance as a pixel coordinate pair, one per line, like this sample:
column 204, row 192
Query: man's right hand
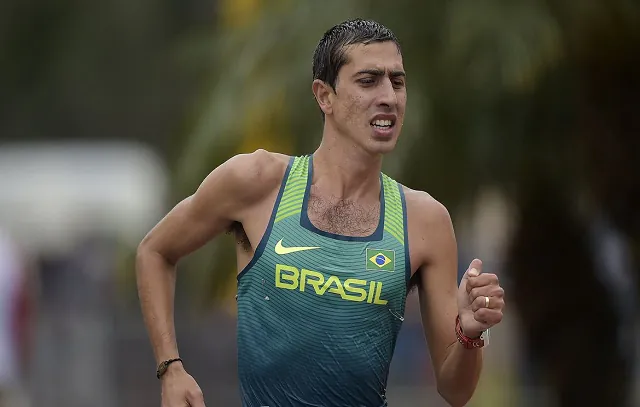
column 179, row 389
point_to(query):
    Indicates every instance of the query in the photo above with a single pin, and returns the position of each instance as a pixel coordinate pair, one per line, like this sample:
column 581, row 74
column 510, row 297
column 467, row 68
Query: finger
column 482, row 279
column 195, row 398
column 474, row 269
column 488, row 316
column 482, row 301
column 479, row 326
column 486, row 291
column 476, row 265
column 196, row 403
column 174, row 400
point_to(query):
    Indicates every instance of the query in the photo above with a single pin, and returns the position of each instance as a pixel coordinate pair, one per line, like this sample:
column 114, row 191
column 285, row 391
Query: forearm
column 156, row 280
column 459, row 374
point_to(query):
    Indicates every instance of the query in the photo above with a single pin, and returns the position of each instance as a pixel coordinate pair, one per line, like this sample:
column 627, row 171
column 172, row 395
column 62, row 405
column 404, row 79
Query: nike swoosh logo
column 280, row 249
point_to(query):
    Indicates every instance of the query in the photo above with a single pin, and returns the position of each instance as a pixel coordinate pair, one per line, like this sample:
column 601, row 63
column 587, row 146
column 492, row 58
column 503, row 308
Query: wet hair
column 330, row 54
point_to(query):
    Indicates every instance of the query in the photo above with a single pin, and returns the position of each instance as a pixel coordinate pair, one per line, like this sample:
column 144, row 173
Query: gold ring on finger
column 486, row 302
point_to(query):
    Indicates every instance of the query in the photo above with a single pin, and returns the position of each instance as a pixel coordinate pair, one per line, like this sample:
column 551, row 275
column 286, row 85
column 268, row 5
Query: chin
column 382, row 146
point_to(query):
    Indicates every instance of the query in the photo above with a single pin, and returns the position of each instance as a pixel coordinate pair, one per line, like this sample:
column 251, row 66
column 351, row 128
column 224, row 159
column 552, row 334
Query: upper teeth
column 382, row 122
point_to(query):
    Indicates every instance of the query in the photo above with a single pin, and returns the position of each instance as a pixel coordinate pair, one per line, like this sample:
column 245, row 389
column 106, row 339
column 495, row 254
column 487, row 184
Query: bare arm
column 222, row 198
column 457, row 369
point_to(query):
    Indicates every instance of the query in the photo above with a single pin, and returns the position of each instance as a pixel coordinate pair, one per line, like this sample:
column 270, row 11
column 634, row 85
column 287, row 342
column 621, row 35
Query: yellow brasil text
column 351, row 289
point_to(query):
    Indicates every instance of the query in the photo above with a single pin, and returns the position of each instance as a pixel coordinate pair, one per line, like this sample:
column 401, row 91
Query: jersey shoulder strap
column 291, row 202
column 394, row 209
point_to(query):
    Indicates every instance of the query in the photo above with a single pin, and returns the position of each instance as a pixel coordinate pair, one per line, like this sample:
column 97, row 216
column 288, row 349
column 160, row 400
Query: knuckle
column 476, row 304
column 195, row 393
column 469, row 286
column 474, row 293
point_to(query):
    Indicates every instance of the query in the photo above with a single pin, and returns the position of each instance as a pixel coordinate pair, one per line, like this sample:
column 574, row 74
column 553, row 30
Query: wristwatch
column 162, row 367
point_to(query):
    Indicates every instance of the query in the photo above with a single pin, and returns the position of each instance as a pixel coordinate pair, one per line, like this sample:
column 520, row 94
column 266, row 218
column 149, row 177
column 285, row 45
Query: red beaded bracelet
column 468, row 343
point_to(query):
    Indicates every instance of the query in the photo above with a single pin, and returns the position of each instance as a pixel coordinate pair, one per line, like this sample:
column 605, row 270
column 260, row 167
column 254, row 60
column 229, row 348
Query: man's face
column 371, row 96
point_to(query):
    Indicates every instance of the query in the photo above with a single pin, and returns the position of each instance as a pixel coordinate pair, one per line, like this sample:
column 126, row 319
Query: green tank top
column 319, row 313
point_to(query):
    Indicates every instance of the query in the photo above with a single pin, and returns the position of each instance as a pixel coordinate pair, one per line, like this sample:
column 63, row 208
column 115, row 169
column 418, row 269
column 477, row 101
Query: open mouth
column 382, row 124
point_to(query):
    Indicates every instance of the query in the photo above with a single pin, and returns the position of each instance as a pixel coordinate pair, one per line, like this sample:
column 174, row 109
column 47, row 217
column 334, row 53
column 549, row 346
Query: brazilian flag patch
column 384, row 260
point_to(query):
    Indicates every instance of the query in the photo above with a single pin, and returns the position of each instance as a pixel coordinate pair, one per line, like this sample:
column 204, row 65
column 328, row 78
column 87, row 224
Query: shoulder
column 241, row 182
column 259, row 166
column 424, row 210
column 430, row 228
column 251, row 174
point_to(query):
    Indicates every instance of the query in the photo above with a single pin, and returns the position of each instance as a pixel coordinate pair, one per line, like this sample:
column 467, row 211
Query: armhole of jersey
column 407, row 256
column 267, row 232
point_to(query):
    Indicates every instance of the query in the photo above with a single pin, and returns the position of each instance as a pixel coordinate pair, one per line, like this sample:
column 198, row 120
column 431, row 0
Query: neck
column 344, row 170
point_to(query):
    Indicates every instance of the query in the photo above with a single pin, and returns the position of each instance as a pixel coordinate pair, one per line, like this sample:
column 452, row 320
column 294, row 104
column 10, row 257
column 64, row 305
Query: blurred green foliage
column 534, row 98
column 501, row 93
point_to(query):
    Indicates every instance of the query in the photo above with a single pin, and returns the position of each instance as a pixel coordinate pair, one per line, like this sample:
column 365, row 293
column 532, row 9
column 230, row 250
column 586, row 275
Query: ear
column 324, row 96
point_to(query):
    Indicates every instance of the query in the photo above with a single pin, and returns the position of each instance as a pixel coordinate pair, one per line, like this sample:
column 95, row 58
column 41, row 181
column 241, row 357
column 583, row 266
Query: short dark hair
column 330, row 54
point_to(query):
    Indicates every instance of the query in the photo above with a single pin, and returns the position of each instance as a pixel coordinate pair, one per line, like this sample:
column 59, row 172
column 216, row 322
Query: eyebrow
column 378, row 72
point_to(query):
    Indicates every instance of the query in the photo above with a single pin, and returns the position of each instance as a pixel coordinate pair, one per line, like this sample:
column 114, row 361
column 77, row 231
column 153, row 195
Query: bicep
column 200, row 217
column 438, row 286
column 184, row 229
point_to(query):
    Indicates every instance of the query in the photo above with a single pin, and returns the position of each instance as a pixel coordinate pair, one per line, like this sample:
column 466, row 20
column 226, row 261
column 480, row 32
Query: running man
column 330, row 247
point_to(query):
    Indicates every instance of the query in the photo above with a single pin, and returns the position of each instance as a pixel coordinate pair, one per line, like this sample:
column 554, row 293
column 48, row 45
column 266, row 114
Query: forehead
column 384, row 56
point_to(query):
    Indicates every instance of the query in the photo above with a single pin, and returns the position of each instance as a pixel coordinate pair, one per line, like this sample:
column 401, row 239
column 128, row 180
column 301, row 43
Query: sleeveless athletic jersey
column 319, row 313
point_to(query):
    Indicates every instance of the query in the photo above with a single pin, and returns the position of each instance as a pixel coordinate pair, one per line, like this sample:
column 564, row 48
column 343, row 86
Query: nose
column 387, row 96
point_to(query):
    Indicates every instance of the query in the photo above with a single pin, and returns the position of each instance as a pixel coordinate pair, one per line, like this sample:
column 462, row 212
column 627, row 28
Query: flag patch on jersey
column 381, row 260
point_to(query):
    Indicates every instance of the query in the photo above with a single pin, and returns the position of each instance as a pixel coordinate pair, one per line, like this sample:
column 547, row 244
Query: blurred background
column 523, row 119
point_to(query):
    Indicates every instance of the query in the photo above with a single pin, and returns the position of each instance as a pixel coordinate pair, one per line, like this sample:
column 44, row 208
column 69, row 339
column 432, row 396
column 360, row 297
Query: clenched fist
column 480, row 300
column 179, row 389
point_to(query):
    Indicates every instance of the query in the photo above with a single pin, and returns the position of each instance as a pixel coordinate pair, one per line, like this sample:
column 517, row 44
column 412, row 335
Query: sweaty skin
column 347, row 165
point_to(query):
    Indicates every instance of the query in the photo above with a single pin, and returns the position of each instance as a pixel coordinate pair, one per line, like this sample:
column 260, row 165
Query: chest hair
column 343, row 216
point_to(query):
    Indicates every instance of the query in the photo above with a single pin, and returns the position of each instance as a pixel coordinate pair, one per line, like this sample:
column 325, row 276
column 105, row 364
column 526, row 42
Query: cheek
column 353, row 109
column 402, row 101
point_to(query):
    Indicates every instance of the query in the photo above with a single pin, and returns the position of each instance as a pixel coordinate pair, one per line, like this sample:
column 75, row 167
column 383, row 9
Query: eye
column 398, row 83
column 366, row 81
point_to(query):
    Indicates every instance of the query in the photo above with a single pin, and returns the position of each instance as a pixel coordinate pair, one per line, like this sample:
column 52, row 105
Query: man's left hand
column 480, row 300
